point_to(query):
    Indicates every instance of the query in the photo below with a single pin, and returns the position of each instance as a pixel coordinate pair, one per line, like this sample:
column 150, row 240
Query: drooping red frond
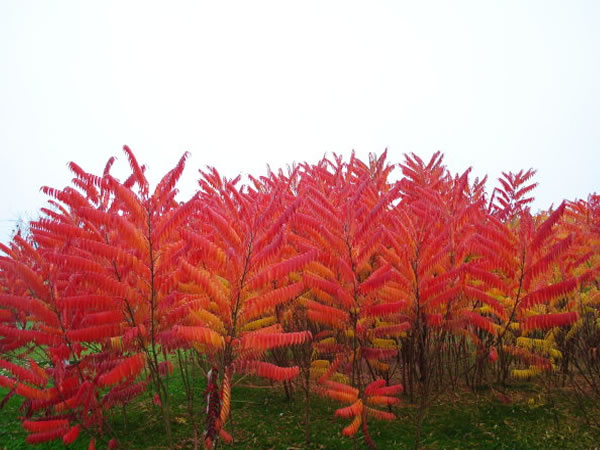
column 377, row 279
column 279, row 270
column 102, row 318
column 350, row 411
column 75, row 263
column 341, row 387
column 481, row 322
column 33, row 280
column 382, row 400
column 320, row 317
column 44, row 425
column 320, row 269
column 171, row 220
column 227, row 438
column 209, row 283
column 87, row 302
column 386, row 390
column 351, row 429
column 494, row 230
column 71, row 435
column 200, row 317
column 374, row 385
column 385, row 309
column 546, row 321
column 333, row 313
column 131, row 203
column 256, row 306
column 128, row 368
column 374, row 215
column 268, row 252
column 265, row 341
column 109, row 285
column 391, row 292
column 86, row 182
column 434, row 286
column 370, row 246
column 46, row 436
column 35, row 394
column 94, row 333
column 210, row 251
column 229, row 233
column 73, row 401
column 112, row 254
column 546, row 294
column 23, row 374
column 59, row 229
column 543, row 264
column 276, row 227
column 311, row 227
column 30, row 306
column 323, row 208
column 200, row 335
column 267, row 370
column 494, row 256
column 273, row 328
column 34, row 336
column 490, row 279
column 331, row 287
column 67, row 196
column 345, row 272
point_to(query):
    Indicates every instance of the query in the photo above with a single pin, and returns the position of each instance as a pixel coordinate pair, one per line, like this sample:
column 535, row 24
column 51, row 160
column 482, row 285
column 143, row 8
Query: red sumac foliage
column 387, row 284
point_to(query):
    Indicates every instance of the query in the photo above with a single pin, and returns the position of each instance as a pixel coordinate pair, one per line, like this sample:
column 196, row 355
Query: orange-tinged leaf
column 256, row 306
column 351, row 429
column 350, row 411
column 266, row 341
column 201, row 335
column 281, row 269
column 267, row 370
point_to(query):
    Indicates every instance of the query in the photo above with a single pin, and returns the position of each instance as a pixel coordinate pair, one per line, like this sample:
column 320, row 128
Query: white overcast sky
column 499, row 85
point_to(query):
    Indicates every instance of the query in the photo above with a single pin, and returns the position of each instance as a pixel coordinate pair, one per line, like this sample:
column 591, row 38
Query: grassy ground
column 264, row 419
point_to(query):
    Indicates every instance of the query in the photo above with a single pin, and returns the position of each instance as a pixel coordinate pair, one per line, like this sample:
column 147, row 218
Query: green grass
column 262, row 418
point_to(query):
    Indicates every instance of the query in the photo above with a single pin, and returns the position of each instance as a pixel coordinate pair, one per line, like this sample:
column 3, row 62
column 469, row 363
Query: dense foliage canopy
column 330, row 278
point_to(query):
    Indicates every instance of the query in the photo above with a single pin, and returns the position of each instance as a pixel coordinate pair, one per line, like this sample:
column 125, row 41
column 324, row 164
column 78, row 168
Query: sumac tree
column 367, row 278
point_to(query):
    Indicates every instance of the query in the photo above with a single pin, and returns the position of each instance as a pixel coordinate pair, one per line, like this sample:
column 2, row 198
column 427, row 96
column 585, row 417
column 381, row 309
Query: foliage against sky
column 372, row 277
